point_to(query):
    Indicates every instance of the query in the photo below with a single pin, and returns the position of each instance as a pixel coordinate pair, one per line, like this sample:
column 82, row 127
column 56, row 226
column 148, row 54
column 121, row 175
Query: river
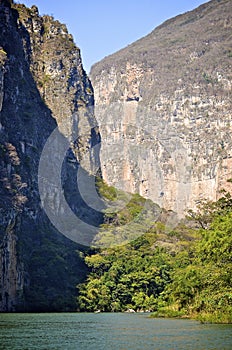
column 108, row 331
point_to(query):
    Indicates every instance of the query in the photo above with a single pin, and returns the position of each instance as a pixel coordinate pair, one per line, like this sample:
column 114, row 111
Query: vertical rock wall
column 42, row 86
column 164, row 109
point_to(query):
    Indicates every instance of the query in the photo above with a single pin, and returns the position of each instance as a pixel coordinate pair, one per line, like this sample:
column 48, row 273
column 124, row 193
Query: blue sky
column 101, row 27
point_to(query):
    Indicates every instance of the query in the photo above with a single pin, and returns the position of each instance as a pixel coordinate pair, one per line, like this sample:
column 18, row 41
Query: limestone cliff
column 56, row 66
column 42, row 85
column 164, row 109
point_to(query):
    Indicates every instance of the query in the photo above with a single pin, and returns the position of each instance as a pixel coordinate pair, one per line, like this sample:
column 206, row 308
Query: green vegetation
column 55, row 266
column 108, row 192
column 184, row 272
column 127, row 217
column 202, row 288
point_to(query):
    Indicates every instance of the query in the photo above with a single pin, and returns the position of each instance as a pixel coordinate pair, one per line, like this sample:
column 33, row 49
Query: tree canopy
column 185, row 272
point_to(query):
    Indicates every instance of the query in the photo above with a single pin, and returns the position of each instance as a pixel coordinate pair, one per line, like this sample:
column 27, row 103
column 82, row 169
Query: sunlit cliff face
column 164, row 109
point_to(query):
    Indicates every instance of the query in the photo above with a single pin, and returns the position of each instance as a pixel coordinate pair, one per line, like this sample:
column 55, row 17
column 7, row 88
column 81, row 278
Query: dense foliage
column 182, row 272
column 54, row 265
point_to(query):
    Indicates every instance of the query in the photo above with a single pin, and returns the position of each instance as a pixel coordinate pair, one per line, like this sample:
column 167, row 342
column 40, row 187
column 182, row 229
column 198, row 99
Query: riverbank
column 204, row 317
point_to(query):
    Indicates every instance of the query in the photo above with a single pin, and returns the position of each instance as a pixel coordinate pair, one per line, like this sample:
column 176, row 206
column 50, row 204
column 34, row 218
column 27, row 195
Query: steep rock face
column 56, row 66
column 164, row 109
column 39, row 268
column 12, row 271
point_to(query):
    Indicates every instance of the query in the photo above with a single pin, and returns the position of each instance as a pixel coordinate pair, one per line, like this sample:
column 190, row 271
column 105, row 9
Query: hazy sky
column 101, row 27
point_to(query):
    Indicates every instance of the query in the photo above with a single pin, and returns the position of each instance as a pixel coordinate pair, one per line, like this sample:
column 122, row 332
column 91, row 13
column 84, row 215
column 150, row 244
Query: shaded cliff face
column 164, row 109
column 56, row 66
column 39, row 88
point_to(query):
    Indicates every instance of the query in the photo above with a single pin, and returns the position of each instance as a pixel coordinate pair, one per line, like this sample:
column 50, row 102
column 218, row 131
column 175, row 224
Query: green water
column 106, row 331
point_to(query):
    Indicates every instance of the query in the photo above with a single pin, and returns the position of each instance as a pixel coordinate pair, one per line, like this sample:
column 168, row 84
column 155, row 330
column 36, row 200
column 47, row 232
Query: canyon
column 154, row 119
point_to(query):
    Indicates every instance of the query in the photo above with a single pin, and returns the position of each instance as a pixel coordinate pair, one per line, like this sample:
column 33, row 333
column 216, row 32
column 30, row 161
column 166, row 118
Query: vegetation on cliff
column 138, row 261
column 182, row 272
column 39, row 267
column 167, row 100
